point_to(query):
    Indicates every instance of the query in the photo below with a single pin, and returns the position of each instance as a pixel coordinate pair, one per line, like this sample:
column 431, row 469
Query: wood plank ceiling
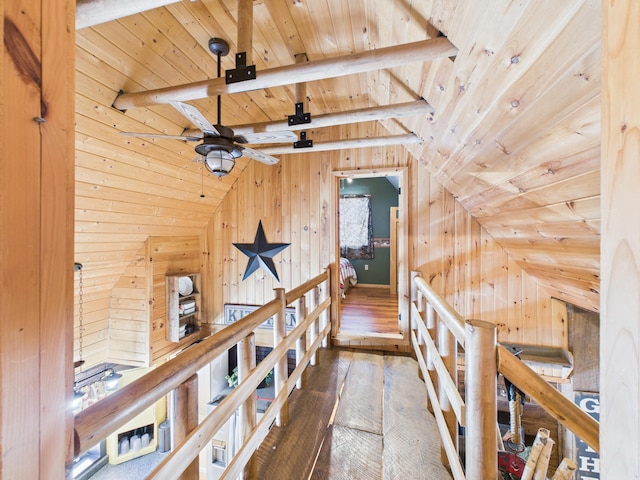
column 515, row 135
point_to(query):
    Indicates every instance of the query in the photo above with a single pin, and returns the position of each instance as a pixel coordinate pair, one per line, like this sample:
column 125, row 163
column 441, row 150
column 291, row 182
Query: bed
column 348, row 276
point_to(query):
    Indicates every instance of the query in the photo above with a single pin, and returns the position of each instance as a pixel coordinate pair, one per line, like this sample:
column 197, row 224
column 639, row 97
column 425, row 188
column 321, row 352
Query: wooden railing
column 437, row 331
column 312, row 303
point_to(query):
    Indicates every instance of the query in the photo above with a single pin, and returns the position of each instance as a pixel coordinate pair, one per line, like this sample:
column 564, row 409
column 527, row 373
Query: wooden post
column 620, row 245
column 447, row 347
column 324, row 316
column 280, row 371
column 313, row 328
column 301, row 343
column 185, row 419
column 480, row 384
column 245, row 29
column 415, row 298
column 36, row 245
column 246, row 364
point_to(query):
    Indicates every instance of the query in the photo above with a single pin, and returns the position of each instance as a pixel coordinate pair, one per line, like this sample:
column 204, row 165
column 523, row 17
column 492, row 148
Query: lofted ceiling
column 514, row 134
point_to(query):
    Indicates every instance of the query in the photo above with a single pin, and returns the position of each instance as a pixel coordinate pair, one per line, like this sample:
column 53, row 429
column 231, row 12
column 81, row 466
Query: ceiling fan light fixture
column 219, row 162
column 219, row 155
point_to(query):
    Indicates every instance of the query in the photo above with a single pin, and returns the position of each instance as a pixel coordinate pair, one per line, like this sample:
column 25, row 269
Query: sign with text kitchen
column 587, row 458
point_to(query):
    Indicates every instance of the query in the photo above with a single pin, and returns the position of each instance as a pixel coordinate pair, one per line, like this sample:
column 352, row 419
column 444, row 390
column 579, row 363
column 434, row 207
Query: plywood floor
column 369, row 310
column 362, row 416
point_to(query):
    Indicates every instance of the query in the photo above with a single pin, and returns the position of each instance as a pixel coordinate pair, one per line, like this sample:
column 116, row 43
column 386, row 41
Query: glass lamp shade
column 111, row 380
column 219, row 162
column 77, row 399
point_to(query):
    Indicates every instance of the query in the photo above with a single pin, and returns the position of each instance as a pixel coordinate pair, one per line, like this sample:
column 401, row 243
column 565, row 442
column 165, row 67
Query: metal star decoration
column 260, row 253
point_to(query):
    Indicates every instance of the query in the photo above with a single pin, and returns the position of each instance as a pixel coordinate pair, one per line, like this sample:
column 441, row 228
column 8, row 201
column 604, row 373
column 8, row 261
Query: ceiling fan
column 220, row 147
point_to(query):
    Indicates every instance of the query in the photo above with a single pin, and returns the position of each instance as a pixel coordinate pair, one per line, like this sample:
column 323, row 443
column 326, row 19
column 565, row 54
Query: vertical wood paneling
column 620, row 319
column 129, row 327
column 454, row 253
column 168, row 256
column 36, row 244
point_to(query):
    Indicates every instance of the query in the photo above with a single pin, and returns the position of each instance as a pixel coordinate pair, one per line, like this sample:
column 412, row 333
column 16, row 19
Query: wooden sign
column 587, row 458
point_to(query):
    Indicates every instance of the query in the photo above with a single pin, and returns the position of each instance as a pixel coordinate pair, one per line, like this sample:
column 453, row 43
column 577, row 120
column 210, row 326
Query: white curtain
column 356, row 226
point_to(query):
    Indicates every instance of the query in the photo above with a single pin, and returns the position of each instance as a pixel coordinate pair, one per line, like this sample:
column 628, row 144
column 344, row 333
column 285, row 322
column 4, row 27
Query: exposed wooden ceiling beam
column 422, row 51
column 417, row 107
column 407, row 139
column 95, row 12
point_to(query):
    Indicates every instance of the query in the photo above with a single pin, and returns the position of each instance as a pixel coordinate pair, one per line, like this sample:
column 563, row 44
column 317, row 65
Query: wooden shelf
column 176, row 320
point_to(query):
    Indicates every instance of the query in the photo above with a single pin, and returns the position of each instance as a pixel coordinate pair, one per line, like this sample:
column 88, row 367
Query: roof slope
column 515, row 135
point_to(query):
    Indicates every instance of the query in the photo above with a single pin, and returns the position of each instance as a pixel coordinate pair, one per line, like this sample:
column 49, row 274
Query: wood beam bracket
column 300, row 117
column 242, row 72
column 303, row 142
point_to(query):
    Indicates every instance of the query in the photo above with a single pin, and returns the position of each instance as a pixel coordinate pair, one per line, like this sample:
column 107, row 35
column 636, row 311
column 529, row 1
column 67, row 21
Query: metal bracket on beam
column 300, row 117
column 242, row 72
column 303, row 142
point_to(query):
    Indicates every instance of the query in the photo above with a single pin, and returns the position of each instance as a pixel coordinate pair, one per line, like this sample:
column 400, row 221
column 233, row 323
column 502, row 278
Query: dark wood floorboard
column 369, row 310
column 290, row 452
column 329, row 439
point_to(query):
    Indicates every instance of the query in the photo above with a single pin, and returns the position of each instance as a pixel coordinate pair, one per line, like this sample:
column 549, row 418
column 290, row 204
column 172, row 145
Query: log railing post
column 324, row 316
column 280, row 371
column 481, row 416
column 431, row 322
column 313, row 329
column 301, row 343
column 185, row 419
column 247, row 411
column 415, row 298
column 447, row 347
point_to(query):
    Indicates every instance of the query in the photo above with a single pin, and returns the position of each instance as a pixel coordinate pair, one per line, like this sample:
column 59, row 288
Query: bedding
column 348, row 276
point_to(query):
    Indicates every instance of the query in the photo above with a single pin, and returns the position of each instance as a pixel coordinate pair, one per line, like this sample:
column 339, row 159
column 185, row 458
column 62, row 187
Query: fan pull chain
column 202, row 180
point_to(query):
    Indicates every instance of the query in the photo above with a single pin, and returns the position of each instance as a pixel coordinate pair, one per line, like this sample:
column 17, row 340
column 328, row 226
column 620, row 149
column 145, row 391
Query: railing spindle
column 280, row 371
column 480, row 384
column 247, row 417
column 313, row 330
column 447, row 347
column 185, row 419
column 301, row 343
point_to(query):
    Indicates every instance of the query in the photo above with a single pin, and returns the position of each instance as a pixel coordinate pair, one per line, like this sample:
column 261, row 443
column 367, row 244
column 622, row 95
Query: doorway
column 377, row 297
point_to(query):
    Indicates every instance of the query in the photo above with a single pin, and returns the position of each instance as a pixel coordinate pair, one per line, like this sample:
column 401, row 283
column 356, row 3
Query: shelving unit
column 177, row 321
column 146, row 422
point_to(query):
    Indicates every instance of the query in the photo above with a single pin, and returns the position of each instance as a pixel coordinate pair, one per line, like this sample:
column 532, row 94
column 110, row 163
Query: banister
column 537, row 388
column 99, row 420
column 448, row 315
column 300, row 290
column 196, row 440
column 559, row 406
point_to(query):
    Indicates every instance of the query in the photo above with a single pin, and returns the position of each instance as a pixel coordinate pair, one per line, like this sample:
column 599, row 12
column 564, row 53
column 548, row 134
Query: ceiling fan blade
column 266, row 137
column 193, row 114
column 188, row 138
column 259, row 156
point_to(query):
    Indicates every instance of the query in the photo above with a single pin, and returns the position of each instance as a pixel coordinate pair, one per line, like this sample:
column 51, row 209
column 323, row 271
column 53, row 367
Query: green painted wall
column 383, row 196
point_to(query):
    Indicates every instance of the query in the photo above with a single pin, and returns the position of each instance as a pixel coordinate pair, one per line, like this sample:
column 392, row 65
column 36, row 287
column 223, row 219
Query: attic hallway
column 361, row 415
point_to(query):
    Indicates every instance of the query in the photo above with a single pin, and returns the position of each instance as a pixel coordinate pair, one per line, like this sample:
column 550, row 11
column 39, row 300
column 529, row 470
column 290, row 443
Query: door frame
column 402, row 256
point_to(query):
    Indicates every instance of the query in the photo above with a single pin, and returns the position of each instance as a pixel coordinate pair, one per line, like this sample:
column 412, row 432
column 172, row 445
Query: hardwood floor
column 362, row 415
column 369, row 310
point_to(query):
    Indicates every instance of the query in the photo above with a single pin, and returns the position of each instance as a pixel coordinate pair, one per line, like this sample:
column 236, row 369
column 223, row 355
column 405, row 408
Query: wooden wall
column 168, row 256
column 620, row 326
column 476, row 275
column 36, row 239
column 457, row 256
column 130, row 326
